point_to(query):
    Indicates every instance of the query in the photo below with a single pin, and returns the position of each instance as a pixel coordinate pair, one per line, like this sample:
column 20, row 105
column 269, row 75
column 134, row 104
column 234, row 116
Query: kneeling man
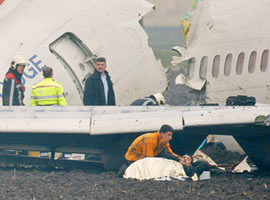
column 157, row 145
column 152, row 145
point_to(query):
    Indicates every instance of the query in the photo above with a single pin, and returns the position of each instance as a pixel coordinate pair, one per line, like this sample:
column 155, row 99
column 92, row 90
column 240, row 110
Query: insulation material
column 242, row 166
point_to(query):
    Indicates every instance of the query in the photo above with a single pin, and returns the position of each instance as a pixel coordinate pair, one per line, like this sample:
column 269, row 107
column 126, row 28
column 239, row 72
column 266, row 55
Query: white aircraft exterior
column 68, row 35
column 227, row 49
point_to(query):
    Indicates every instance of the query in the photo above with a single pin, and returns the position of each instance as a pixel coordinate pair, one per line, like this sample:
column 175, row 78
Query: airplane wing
column 74, row 128
column 112, row 120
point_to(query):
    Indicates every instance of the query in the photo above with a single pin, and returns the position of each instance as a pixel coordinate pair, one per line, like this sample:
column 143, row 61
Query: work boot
column 122, row 170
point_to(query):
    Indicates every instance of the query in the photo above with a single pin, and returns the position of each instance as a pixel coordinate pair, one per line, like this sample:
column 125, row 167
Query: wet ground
column 36, row 183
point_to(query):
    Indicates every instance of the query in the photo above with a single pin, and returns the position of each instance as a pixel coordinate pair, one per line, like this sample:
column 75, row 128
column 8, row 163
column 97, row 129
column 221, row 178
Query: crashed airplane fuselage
column 70, row 43
column 70, row 40
column 227, row 49
column 227, row 53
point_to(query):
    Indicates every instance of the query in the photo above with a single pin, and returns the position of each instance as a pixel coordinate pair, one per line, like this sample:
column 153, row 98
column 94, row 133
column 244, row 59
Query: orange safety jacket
column 148, row 145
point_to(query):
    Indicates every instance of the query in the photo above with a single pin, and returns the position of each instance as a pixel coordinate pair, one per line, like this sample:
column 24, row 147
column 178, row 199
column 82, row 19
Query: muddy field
column 36, row 183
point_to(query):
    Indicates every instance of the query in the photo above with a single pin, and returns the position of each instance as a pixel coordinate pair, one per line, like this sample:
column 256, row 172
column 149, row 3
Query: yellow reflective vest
column 47, row 92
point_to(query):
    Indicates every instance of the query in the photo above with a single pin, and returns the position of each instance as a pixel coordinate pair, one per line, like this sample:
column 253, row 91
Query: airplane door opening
column 76, row 58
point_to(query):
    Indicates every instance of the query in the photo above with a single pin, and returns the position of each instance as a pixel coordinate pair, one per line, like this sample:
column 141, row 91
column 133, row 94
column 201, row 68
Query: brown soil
column 36, row 183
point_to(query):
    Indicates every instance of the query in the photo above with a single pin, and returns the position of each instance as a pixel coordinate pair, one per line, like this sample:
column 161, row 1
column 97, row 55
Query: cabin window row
column 228, row 64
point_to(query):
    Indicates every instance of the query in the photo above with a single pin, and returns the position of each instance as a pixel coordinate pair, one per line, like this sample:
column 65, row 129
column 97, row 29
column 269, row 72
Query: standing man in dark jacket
column 98, row 88
column 13, row 90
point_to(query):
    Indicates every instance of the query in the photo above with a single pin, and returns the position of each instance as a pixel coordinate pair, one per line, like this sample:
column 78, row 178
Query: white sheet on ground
column 154, row 168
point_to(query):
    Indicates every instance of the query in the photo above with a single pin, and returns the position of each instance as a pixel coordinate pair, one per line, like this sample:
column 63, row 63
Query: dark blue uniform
column 13, row 90
column 146, row 101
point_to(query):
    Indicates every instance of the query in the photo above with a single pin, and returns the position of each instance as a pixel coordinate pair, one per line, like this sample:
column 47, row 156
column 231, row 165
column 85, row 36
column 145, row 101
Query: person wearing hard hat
column 13, row 90
column 153, row 100
column 48, row 92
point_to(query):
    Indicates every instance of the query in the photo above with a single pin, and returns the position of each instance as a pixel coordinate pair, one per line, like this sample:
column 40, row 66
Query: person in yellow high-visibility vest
column 48, row 92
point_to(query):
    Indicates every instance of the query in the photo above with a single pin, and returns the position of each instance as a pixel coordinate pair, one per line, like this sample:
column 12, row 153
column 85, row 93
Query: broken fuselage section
column 226, row 49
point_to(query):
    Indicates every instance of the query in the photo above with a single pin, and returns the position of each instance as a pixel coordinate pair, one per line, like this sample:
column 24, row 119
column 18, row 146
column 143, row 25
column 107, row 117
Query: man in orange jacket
column 152, row 145
column 157, row 145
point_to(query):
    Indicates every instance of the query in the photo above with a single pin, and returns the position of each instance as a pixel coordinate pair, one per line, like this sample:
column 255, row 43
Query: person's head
column 186, row 160
column 159, row 98
column 47, row 72
column 18, row 63
column 100, row 64
column 166, row 132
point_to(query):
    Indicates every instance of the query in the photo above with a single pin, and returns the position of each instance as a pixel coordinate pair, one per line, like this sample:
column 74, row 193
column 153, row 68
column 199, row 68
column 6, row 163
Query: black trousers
column 197, row 167
column 123, row 167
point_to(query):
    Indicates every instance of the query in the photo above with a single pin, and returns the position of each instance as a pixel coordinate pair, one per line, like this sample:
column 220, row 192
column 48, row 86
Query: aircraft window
column 240, row 63
column 264, row 61
column 228, row 65
column 216, row 64
column 203, row 67
column 191, row 67
column 252, row 61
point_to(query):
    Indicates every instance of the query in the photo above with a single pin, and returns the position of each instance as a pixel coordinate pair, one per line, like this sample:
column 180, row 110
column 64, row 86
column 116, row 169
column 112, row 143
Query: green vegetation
column 165, row 56
column 161, row 40
column 164, row 37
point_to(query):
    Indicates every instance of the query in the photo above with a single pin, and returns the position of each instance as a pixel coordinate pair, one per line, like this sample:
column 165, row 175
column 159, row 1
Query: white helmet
column 159, row 98
column 18, row 60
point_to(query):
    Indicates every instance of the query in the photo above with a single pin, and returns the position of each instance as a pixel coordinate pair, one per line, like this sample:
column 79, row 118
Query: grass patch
column 165, row 56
